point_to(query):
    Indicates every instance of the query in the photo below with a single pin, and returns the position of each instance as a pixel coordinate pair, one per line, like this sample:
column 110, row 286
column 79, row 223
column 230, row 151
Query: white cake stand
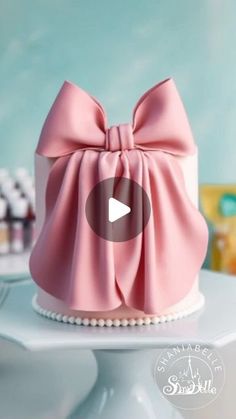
column 125, row 386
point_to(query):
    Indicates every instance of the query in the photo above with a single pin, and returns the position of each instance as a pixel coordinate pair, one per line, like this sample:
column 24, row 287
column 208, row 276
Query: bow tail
column 158, row 267
column 69, row 261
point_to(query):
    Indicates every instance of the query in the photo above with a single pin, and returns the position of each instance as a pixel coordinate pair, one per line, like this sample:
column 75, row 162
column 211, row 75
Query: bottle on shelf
column 27, row 185
column 32, row 217
column 13, row 195
column 19, row 211
column 4, row 228
column 30, row 234
column 10, row 196
column 20, row 173
column 7, row 185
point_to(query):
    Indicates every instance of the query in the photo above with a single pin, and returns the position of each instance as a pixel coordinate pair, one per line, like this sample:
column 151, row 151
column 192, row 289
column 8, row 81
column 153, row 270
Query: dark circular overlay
column 129, row 193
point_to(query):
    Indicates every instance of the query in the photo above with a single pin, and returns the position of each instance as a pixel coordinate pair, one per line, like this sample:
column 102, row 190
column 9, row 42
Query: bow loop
column 161, row 123
column 78, row 121
column 119, row 137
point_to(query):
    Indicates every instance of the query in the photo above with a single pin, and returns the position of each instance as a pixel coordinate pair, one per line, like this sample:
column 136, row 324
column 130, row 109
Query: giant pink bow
column 158, row 267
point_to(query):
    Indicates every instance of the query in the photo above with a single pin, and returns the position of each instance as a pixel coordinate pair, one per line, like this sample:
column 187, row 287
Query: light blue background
column 117, row 50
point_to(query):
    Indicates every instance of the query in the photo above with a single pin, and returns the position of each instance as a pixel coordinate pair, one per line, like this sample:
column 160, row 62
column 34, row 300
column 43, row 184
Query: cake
column 131, row 270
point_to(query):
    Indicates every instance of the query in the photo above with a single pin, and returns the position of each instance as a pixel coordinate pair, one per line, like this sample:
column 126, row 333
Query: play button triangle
column 117, row 210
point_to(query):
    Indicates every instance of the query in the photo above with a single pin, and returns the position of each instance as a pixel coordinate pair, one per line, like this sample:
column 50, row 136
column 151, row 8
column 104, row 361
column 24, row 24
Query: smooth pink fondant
column 157, row 268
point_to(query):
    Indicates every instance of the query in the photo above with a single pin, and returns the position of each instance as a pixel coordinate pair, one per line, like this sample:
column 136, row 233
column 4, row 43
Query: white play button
column 117, row 210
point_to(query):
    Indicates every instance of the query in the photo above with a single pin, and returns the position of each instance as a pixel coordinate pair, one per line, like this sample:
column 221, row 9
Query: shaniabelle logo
column 190, row 376
column 188, row 382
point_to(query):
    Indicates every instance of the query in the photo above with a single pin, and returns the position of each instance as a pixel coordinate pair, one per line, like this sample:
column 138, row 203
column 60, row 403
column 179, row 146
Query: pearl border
column 140, row 321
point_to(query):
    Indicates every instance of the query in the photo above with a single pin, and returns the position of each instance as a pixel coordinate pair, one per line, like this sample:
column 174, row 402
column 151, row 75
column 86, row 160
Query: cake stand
column 125, row 386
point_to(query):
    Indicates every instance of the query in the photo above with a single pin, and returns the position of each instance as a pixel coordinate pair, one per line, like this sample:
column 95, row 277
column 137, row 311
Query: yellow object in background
column 219, row 207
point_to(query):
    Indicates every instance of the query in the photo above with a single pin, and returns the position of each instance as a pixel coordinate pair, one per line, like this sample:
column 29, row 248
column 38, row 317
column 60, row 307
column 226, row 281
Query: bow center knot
column 119, row 137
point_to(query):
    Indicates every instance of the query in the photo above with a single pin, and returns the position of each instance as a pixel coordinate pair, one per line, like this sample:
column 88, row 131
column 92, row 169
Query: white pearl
column 124, row 322
column 59, row 317
column 109, row 322
column 93, row 322
column 162, row 319
column 169, row 317
column 85, row 322
column 78, row 321
column 71, row 319
column 53, row 316
column 132, row 322
column 101, row 322
column 139, row 321
column 116, row 322
column 65, row 318
column 48, row 313
column 147, row 320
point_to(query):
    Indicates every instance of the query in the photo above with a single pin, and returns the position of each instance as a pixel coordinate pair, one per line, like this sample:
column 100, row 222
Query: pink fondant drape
column 158, row 267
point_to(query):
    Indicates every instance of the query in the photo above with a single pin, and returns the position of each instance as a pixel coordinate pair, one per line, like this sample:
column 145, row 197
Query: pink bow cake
column 85, row 278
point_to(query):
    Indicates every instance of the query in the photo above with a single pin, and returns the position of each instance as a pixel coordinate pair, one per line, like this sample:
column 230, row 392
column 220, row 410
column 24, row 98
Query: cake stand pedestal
column 125, row 386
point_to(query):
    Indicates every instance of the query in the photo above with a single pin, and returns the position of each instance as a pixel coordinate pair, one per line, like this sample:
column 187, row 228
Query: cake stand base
column 125, row 388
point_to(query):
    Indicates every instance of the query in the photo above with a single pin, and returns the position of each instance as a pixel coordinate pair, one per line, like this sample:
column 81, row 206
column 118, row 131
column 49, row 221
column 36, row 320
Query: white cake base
column 139, row 321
